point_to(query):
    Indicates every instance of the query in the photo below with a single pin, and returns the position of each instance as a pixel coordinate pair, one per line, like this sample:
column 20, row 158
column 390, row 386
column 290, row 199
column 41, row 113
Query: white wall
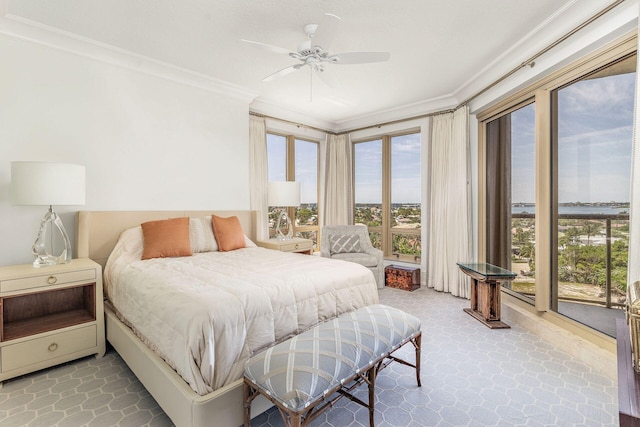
column 147, row 142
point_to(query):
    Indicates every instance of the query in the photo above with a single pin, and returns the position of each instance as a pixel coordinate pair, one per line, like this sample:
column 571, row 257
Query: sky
column 306, row 166
column 595, row 129
column 405, row 170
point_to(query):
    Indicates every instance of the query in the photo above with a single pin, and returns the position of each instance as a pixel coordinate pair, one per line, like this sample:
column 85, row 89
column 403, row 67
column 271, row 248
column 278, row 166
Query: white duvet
column 207, row 313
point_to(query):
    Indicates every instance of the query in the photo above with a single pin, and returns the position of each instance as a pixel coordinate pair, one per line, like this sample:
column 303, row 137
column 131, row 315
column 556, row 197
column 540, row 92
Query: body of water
column 606, row 210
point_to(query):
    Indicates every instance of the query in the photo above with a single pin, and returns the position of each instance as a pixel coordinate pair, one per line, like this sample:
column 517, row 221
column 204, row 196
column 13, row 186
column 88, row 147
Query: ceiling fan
column 313, row 52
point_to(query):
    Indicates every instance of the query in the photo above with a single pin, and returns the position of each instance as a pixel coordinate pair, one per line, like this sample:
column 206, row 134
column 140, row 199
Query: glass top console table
column 485, row 291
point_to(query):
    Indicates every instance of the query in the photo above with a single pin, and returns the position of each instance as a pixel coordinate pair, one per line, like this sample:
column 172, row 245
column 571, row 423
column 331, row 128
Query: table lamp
column 284, row 194
column 48, row 184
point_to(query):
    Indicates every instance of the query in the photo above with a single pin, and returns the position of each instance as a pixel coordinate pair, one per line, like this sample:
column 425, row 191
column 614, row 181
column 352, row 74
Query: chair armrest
column 368, row 248
column 373, row 251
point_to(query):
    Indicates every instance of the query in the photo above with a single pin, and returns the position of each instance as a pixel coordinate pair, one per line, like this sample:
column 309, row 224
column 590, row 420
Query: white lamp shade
column 45, row 183
column 284, row 193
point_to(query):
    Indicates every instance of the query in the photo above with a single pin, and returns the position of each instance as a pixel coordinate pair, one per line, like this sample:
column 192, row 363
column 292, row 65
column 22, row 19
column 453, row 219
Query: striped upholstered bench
column 306, row 374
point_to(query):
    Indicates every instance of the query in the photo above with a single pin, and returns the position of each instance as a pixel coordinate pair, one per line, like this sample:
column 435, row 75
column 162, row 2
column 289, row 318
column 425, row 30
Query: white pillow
column 128, row 249
column 201, row 235
column 248, row 243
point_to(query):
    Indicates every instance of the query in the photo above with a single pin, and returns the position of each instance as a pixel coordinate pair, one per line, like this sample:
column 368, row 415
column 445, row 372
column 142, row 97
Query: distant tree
column 407, row 244
column 376, row 240
column 527, row 250
column 522, row 237
column 303, row 215
column 572, row 235
column 591, row 228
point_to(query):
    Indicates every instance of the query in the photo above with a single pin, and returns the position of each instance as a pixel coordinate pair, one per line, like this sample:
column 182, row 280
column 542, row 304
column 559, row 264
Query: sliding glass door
column 592, row 135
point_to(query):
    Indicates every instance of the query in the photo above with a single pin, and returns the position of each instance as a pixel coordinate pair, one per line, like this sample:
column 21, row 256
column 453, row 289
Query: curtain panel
column 338, row 200
column 450, row 216
column 498, row 191
column 258, row 174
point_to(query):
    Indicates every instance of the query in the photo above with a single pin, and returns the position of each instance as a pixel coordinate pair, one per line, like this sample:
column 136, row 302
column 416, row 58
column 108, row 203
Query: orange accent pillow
column 166, row 238
column 228, row 233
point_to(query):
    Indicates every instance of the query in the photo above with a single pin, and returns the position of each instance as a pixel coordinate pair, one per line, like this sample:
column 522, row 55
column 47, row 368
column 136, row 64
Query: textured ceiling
column 438, row 47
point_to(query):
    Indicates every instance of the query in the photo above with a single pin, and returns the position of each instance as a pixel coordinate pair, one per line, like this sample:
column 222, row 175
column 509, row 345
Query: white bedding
column 206, row 314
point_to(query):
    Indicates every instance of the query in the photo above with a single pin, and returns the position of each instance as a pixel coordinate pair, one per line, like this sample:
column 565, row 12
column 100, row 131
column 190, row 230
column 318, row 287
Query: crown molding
column 24, row 29
column 404, row 112
column 267, row 108
column 428, row 106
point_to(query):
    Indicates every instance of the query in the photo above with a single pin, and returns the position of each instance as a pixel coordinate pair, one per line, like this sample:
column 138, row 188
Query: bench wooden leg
column 246, row 392
column 418, row 344
column 372, row 393
column 295, row 420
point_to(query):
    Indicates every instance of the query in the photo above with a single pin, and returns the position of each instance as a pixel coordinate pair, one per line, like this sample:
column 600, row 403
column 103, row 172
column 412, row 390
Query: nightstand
column 49, row 315
column 294, row 245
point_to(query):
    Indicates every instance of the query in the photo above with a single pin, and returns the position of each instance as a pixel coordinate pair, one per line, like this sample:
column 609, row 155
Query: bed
column 195, row 402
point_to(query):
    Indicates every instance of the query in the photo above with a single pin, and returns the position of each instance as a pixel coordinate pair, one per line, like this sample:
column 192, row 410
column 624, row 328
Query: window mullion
column 386, row 196
column 291, row 174
column 544, row 202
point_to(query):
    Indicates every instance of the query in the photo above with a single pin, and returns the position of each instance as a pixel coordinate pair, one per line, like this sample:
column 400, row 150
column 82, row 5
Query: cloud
column 595, row 130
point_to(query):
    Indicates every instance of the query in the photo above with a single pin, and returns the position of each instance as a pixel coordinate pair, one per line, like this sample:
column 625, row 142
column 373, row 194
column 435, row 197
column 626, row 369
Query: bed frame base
column 184, row 406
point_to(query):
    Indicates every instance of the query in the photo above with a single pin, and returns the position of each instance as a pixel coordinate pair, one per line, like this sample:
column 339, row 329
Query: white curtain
column 258, row 174
column 633, row 272
column 338, row 194
column 450, row 216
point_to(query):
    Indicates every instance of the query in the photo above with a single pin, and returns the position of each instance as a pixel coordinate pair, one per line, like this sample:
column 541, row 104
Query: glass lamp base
column 50, row 225
column 284, row 218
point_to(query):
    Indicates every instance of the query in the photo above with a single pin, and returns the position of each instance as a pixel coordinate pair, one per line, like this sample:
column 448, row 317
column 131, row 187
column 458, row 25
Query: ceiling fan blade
column 326, row 31
column 346, row 58
column 325, row 78
column 272, row 48
column 328, row 88
column 282, row 72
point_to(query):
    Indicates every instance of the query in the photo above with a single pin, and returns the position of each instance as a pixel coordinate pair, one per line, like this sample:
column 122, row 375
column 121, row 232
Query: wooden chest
column 405, row 278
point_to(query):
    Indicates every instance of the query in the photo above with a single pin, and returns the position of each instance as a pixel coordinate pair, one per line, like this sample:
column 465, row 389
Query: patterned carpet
column 471, row 376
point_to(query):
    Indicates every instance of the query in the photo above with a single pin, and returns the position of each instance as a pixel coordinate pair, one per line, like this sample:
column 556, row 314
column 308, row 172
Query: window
column 292, row 159
column 387, row 194
column 368, row 188
column 306, row 173
column 555, row 166
column 592, row 146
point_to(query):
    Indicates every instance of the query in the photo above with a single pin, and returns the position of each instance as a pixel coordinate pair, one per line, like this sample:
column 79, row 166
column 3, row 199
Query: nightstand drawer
column 20, row 355
column 51, row 279
column 296, row 246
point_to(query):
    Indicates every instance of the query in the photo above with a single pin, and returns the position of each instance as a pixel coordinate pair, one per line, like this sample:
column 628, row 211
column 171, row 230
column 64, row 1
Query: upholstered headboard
column 98, row 231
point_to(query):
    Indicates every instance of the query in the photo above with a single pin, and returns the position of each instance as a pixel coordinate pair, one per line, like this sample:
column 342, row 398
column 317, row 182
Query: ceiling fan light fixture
column 310, row 29
column 304, row 48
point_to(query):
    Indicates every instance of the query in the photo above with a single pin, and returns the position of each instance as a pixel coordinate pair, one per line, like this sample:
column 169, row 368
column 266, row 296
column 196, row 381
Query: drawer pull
column 53, row 347
column 52, row 280
column 296, row 246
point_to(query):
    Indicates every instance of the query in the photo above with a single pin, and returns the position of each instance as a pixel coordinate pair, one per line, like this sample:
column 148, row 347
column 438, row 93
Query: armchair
column 352, row 243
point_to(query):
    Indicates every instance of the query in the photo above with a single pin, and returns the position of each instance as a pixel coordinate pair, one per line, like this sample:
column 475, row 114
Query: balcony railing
column 607, row 220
